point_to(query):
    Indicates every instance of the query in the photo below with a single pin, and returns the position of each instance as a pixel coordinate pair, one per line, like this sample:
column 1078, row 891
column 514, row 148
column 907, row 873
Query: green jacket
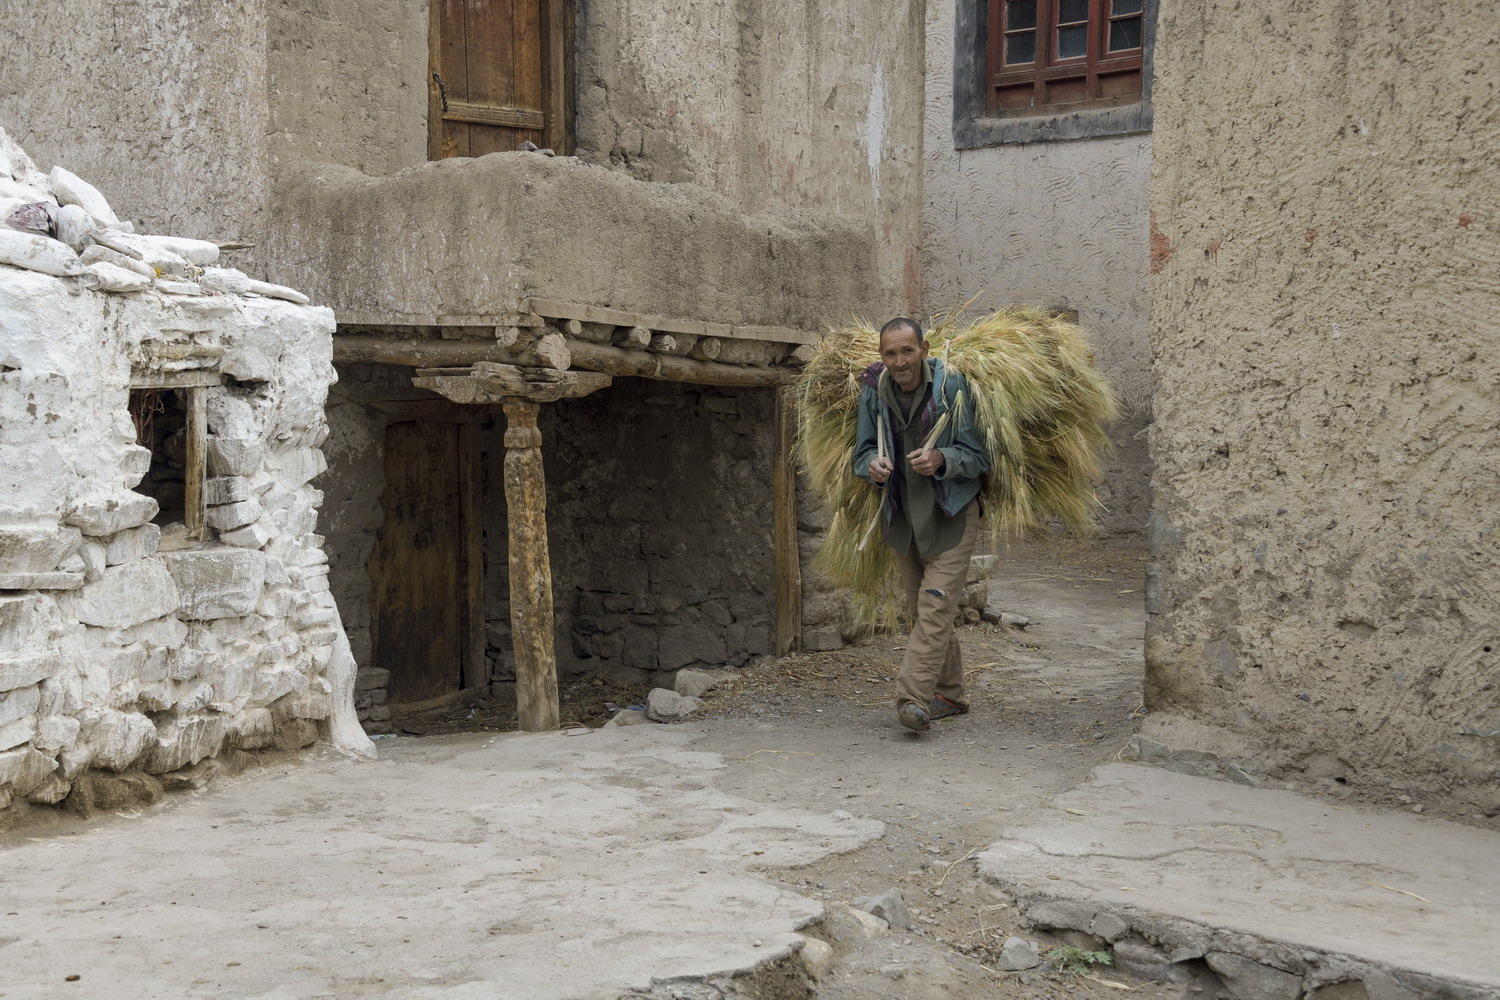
column 965, row 460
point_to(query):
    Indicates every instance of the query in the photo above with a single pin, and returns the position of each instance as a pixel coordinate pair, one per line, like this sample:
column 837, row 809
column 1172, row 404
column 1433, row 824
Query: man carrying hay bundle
column 916, row 440
column 1006, row 423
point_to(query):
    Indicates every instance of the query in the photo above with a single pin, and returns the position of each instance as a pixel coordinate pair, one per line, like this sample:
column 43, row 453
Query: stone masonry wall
column 659, row 513
column 659, row 506
column 1326, row 559
column 129, row 651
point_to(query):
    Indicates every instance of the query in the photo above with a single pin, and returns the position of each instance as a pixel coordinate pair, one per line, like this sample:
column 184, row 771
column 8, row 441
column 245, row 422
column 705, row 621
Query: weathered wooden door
column 418, row 567
column 498, row 76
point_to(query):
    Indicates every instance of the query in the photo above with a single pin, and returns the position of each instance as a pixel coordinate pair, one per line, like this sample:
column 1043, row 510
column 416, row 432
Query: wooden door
column 498, row 76
column 418, row 569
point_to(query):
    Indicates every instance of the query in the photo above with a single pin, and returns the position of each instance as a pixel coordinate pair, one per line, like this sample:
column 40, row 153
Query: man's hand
column 926, row 461
column 881, row 469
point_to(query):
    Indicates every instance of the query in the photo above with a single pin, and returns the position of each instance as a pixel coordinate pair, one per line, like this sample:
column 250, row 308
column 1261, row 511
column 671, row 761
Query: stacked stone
column 130, row 652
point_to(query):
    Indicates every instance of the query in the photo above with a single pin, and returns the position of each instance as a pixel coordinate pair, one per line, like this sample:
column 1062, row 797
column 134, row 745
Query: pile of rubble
column 137, row 641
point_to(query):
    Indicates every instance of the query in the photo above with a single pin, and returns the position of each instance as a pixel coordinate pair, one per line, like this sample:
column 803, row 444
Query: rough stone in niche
column 128, row 594
column 228, row 456
column 25, row 669
column 18, row 703
column 217, row 583
column 23, row 769
column 186, row 740
column 13, row 734
column 252, row 728
column 225, row 489
column 24, row 618
column 233, row 515
column 118, row 738
column 36, row 548
column 132, row 544
column 112, row 515
column 251, row 536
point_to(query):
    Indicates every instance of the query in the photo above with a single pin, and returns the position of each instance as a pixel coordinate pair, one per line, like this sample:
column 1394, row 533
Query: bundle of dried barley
column 1039, row 405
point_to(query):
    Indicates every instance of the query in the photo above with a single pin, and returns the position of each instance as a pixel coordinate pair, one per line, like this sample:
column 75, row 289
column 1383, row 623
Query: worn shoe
column 914, row 717
column 943, row 708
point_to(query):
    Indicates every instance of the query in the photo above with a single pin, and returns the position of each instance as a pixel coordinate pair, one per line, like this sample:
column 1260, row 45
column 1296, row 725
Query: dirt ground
column 1049, row 703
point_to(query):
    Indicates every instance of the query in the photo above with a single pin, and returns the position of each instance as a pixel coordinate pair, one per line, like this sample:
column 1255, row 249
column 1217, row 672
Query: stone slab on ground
column 516, row 866
column 1405, row 904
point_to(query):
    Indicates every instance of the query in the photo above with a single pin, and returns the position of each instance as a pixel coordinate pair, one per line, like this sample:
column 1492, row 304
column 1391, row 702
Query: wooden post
column 470, row 505
column 531, row 622
column 195, row 462
column 788, row 565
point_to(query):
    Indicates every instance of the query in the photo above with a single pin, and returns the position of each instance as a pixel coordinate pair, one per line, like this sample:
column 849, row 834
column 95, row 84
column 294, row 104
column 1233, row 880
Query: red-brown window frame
column 1098, row 69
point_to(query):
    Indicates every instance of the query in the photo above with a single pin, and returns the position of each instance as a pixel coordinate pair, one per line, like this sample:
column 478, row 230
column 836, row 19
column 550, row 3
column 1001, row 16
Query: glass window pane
column 1119, row 7
column 1020, row 48
column 1020, row 14
column 1069, row 11
column 1072, row 42
column 1125, row 34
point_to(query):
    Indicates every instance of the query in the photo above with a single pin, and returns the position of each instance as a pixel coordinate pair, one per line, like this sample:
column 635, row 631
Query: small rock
column 817, row 957
column 869, row 925
column 628, row 717
column 695, row 683
column 1250, row 980
column 661, row 705
column 1241, row 774
column 888, row 906
column 1014, row 620
column 1017, row 954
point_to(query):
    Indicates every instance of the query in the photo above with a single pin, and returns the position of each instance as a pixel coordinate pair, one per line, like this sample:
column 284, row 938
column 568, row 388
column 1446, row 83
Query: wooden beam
column 489, row 382
column 471, row 506
column 195, row 462
column 585, row 313
column 185, row 379
column 531, row 621
column 488, row 114
column 670, row 368
column 788, row 567
column 351, row 349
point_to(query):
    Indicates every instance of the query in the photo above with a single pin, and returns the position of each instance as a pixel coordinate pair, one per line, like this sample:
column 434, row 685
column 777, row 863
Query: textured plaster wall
column 774, row 103
column 1325, row 534
column 1050, row 223
column 159, row 103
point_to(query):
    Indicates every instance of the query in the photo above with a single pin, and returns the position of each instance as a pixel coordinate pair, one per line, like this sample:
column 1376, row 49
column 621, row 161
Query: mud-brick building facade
column 1326, row 558
column 714, row 183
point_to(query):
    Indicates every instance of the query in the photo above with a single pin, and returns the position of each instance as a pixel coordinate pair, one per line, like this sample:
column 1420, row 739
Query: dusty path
column 1050, row 703
column 594, row 865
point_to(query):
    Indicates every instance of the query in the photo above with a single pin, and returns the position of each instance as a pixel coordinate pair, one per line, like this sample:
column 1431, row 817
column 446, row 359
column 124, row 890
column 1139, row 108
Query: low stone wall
column 128, row 647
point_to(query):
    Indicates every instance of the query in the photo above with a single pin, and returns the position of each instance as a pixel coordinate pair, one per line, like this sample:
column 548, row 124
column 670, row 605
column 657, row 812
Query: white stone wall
column 125, row 646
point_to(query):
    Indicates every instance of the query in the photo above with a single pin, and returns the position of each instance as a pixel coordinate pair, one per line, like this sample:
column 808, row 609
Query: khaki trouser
column 933, row 664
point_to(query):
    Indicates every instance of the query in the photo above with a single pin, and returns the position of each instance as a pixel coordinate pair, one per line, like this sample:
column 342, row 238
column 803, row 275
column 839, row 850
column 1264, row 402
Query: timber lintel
column 491, row 382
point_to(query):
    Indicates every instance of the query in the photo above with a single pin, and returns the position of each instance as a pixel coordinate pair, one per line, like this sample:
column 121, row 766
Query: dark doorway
column 423, row 567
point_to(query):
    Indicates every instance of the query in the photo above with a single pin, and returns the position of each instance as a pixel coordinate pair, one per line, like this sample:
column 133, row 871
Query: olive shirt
column 919, row 521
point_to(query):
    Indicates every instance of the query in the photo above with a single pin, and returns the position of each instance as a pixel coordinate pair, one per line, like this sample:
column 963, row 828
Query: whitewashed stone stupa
column 163, row 591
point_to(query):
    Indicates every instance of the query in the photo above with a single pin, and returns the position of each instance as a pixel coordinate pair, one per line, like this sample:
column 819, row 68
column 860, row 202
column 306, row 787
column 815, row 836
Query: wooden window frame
column 1047, row 68
column 976, row 126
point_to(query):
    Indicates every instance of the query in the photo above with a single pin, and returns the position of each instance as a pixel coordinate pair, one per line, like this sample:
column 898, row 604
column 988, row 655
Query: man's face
column 903, row 355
